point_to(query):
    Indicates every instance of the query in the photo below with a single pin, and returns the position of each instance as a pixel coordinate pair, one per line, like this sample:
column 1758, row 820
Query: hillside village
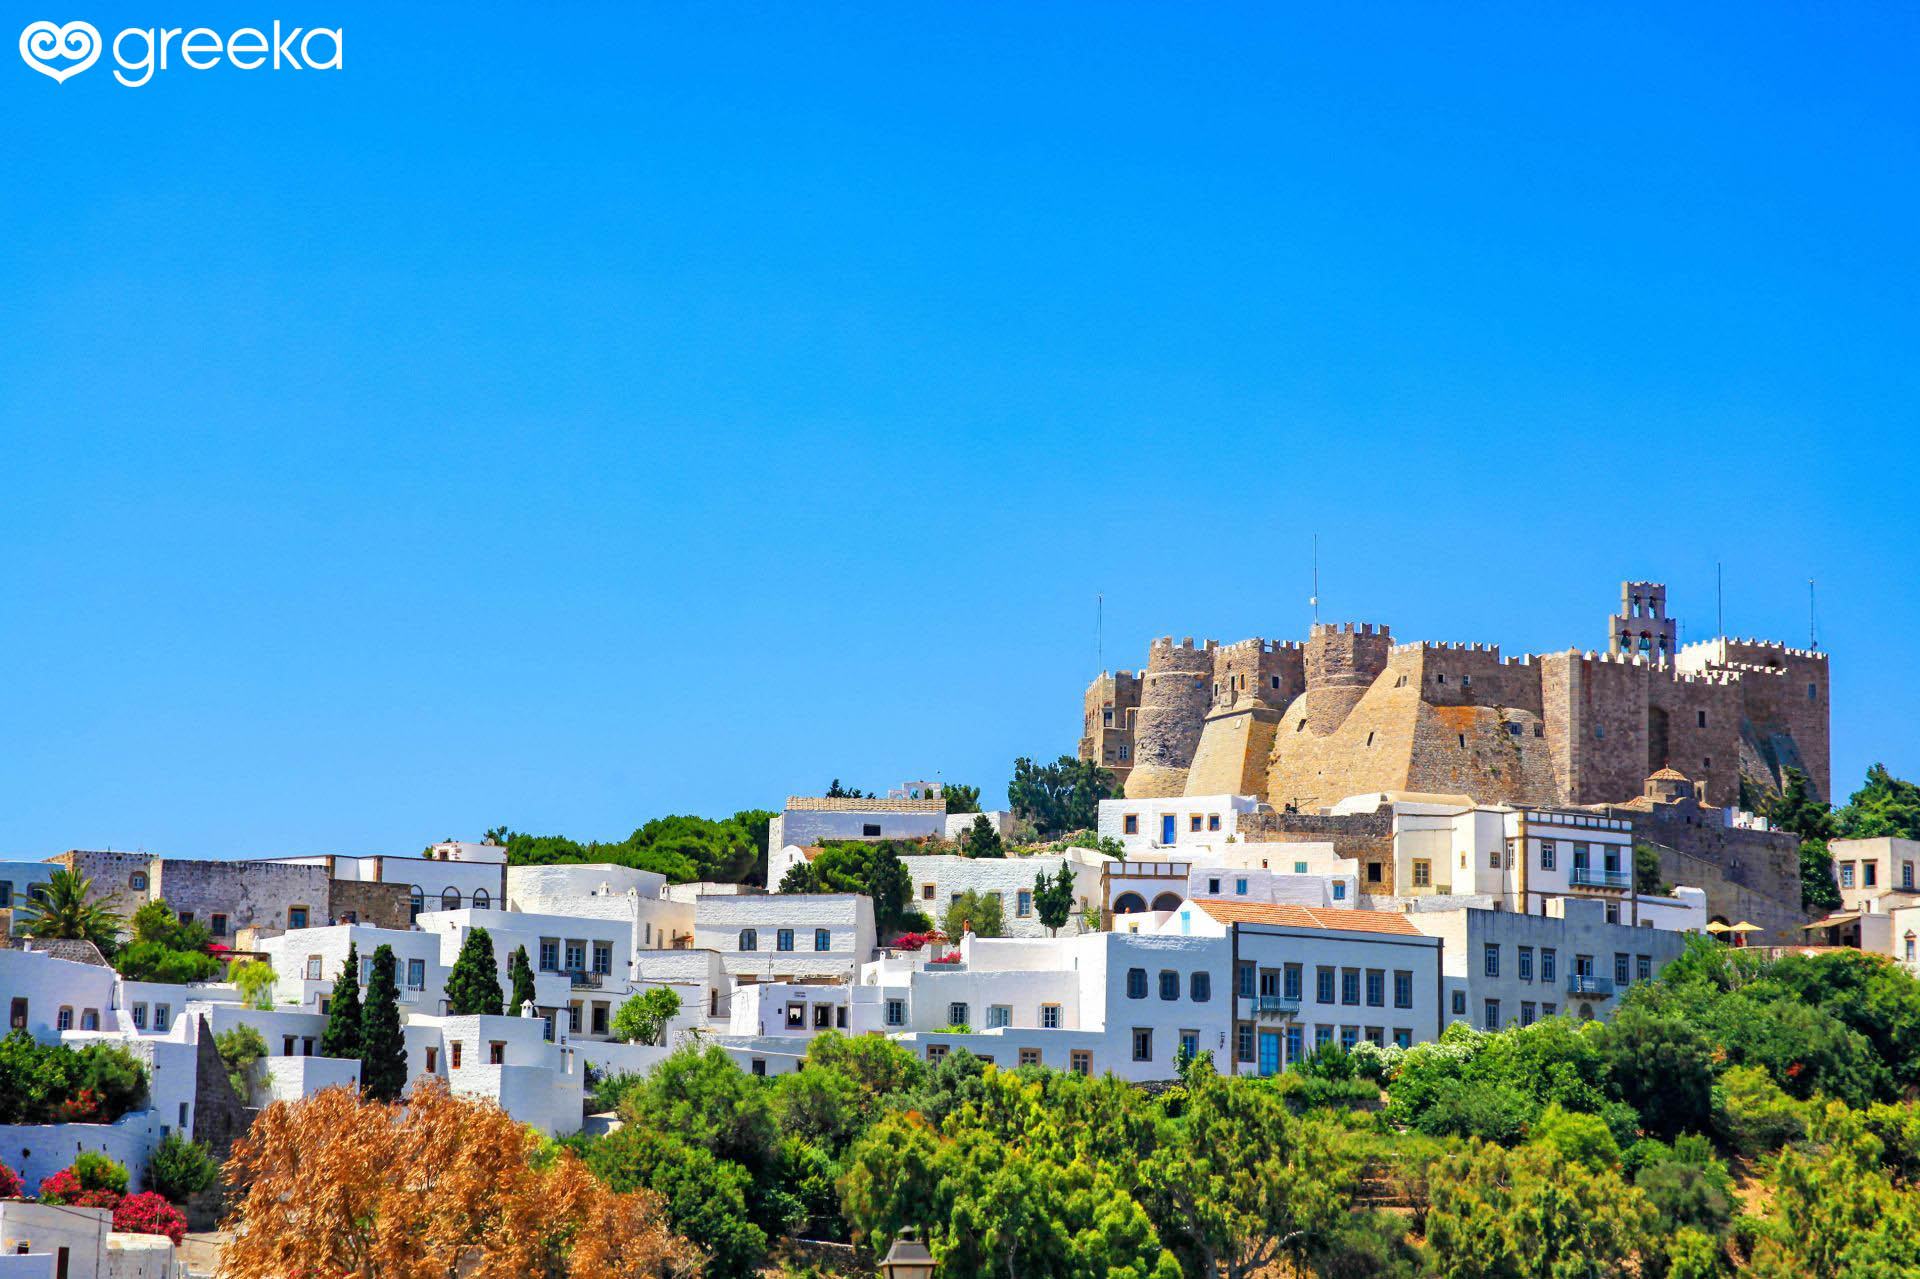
column 1177, row 895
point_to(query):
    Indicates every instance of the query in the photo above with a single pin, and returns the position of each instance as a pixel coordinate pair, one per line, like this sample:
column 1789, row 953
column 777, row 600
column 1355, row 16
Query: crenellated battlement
column 1350, row 628
column 1165, row 643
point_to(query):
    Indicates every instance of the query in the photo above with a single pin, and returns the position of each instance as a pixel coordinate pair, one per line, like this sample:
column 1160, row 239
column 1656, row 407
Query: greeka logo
column 65, row 51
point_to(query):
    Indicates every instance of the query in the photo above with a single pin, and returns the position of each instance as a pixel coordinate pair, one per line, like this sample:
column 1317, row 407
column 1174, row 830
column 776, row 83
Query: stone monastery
column 1300, row 726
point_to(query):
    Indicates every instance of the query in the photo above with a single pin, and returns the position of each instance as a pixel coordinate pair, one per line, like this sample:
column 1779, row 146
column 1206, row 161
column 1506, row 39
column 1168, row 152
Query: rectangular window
column 1295, row 1042
column 1493, row 858
column 296, row 917
column 822, row 939
column 1846, row 874
column 497, row 1052
column 576, row 956
column 1869, row 874
column 926, row 892
column 1240, row 887
column 1245, row 988
column 1350, row 985
column 599, row 1019
column 959, row 1015
column 1402, row 989
column 573, row 1019
column 870, row 830
column 549, row 955
column 1526, row 1012
column 1349, row 1036
column 1189, row 1044
column 1339, row 890
column 1050, row 1016
column 1243, row 1041
column 1422, row 873
column 1523, row 956
column 1169, row 985
column 783, row 939
column 1622, row 968
column 453, row 1055
column 603, row 958
column 1142, row 1044
column 1323, row 985
column 1643, row 967
column 1023, row 903
column 999, row 1015
column 162, row 1014
column 1213, row 888
column 1402, row 1037
column 1322, row 1036
column 1292, row 974
column 313, row 968
column 1491, row 959
column 1193, row 824
column 1459, row 1003
column 1029, row 1056
column 896, row 1012
column 416, row 974
column 218, row 924
column 139, row 1016
column 1548, row 1010
column 823, row 1016
column 1493, row 1015
column 1547, row 964
column 1546, row 854
column 1213, row 821
column 1376, row 988
column 1080, row 1061
column 1130, row 824
column 6, row 893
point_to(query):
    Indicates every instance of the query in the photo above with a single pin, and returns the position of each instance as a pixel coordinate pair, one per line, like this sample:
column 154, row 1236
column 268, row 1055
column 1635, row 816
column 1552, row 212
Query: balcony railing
column 1587, row 984
column 590, row 980
column 1588, row 877
column 1275, row 1005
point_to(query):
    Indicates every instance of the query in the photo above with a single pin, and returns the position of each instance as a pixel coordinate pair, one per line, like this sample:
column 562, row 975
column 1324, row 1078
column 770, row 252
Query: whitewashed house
column 814, row 937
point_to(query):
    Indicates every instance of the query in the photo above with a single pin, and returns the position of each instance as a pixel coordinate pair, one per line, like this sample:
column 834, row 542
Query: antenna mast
column 1314, row 599
column 1719, row 603
column 1100, row 632
column 1813, row 628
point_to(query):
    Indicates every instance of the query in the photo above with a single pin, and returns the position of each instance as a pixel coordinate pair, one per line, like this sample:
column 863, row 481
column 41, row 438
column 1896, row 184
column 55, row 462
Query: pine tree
column 1053, row 899
column 383, row 1049
column 520, row 971
column 473, row 987
column 341, row 1038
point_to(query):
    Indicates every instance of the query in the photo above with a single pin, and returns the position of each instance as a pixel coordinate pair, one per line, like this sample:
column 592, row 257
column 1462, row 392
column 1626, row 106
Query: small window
column 749, row 939
column 1142, row 1043
column 1050, row 1016
column 433, row 1059
column 416, row 974
column 140, row 1016
column 450, row 899
column 1703, row 718
column 1169, row 984
column 1023, row 903
column 138, row 881
column 760, row 1063
column 926, row 892
column 1813, row 694
column 64, row 1021
column 296, row 917
column 1130, row 824
column 1403, row 989
column 999, row 1015
column 1276, row 681
column 1466, row 681
column 958, row 1014
column 1422, row 873
column 313, row 968
column 1491, row 959
column 1240, row 887
column 823, row 1016
column 822, row 939
column 1213, row 821
column 1547, row 854
column 481, row 899
column 1463, row 741
column 1213, row 888
column 497, row 1052
column 1459, row 1003
column 1439, row 677
column 1136, row 983
column 870, row 830
column 1374, row 873
column 453, row 1055
column 896, row 1012
column 783, row 939
column 1339, row 890
column 1492, row 1015
column 1193, row 822
column 1080, row 1061
column 1029, row 1056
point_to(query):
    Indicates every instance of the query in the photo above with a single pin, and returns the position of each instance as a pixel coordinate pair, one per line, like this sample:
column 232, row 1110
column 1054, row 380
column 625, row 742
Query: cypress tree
column 520, row 969
column 341, row 1038
column 473, row 987
column 383, row 1049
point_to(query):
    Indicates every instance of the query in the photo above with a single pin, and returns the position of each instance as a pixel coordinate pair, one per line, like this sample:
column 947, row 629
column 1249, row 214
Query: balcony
column 1275, row 1006
column 1587, row 984
column 590, row 981
column 1587, row 877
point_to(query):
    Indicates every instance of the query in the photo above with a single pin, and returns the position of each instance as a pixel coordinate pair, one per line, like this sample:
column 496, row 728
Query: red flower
column 149, row 1214
column 11, row 1187
column 63, row 1187
column 102, row 1198
column 951, row 958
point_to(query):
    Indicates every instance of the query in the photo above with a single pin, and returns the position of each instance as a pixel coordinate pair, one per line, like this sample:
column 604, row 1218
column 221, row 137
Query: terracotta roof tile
column 1228, row 911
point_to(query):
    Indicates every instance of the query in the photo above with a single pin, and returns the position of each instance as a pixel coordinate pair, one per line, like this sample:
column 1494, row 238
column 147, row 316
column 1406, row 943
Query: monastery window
column 89, row 1017
column 1492, row 960
column 1439, row 677
column 1106, row 717
column 1492, row 1015
column 416, row 974
column 296, row 917
column 1524, row 965
column 1213, row 888
column 1080, row 1061
column 1023, row 903
column 138, row 881
column 1401, row 682
column 1130, row 825
column 64, row 1020
column 1402, row 988
column 1548, row 956
column 1126, row 752
column 1276, row 681
column 1136, row 983
column 1526, row 1012
column 749, row 940
column 1422, row 873
column 219, row 925
column 1169, row 984
column 1812, row 693
column 1350, row 986
column 1702, row 718
column 1466, row 681
column 1376, row 987
column 1302, row 724
column 1463, row 741
column 1599, row 732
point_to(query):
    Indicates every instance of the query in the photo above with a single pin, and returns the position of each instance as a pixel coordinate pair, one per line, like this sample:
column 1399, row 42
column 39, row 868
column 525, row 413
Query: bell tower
column 1642, row 628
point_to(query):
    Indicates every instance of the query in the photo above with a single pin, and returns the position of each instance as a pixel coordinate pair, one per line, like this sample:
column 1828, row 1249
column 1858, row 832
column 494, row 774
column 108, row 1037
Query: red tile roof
column 1228, row 911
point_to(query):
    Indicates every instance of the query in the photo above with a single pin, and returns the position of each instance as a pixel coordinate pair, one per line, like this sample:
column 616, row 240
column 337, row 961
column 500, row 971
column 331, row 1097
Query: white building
column 18, row 881
column 939, row 881
column 787, row 936
column 447, row 876
column 56, row 1241
column 1175, row 824
column 582, row 966
column 307, row 961
column 810, row 819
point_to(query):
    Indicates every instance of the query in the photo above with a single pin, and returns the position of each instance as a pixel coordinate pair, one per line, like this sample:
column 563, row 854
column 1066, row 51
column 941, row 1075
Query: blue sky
column 563, row 420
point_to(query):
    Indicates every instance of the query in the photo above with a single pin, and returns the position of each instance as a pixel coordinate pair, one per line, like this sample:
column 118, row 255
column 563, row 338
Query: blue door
column 1269, row 1052
column 1167, row 828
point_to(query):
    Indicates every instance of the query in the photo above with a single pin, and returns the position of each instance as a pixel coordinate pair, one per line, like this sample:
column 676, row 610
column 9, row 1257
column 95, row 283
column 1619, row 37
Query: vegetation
column 982, row 840
column 872, row 868
column 473, row 983
column 181, row 1168
column 1062, row 796
column 1098, row 843
column 383, row 1048
column 1886, row 805
column 683, row 848
column 254, row 980
column 55, row 1083
column 163, row 948
column 982, row 910
column 643, row 1018
column 63, row 909
column 239, row 1049
column 1053, row 899
column 960, row 799
column 520, row 973
column 339, row 1185
column 341, row 1038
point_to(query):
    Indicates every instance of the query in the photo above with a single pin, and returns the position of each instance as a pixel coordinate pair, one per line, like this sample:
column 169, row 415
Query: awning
column 1832, row 921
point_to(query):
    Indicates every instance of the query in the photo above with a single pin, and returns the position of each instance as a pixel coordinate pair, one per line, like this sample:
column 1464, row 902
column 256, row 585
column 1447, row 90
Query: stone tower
column 1341, row 664
column 1175, row 691
column 1642, row 628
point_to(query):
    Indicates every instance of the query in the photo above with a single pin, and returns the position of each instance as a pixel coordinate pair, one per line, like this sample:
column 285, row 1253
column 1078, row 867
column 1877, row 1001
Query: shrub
column 1584, row 1139
column 149, row 1214
column 239, row 1049
column 11, row 1187
column 97, row 1172
column 53, row 1083
column 1752, row 1114
column 181, row 1168
column 108, row 1199
column 1497, row 1112
column 61, row 1188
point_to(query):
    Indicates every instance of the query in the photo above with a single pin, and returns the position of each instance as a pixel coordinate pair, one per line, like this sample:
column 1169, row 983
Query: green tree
column 706, row 1197
column 1062, row 796
column 181, row 1168
column 1818, row 889
column 1581, row 1138
column 473, row 985
column 960, row 799
column 837, row 791
column 1796, row 809
column 1501, row 1214
column 706, row 1101
column 239, row 1049
column 982, row 840
column 1646, row 871
column 1661, row 1066
column 151, row 961
column 643, row 1018
column 1886, row 805
column 64, row 908
column 383, row 1048
column 755, row 824
column 1053, row 899
column 341, row 1038
column 889, row 886
column 1835, row 1211
column 801, row 877
column 1098, row 843
column 983, row 911
column 254, row 980
column 520, row 973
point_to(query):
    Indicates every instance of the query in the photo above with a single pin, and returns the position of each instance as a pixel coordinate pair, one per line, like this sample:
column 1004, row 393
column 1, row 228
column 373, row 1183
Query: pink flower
column 149, row 1214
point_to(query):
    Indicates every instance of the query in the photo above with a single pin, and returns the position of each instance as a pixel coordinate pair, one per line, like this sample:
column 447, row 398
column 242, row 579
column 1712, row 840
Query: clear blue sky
column 565, row 420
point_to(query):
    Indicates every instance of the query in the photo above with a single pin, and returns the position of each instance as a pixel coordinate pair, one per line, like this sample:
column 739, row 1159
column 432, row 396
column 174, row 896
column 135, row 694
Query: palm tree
column 62, row 909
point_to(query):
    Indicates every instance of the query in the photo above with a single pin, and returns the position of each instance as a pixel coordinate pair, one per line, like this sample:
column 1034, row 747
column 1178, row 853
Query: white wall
column 48, row 985
column 848, row 919
column 1219, row 817
column 938, row 879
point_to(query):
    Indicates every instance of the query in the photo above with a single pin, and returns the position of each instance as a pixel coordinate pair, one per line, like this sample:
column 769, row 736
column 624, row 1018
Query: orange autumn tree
column 335, row 1187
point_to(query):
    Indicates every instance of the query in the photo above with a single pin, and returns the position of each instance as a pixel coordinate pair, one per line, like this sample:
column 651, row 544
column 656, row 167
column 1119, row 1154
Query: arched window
column 481, row 900
column 416, row 902
column 138, row 881
column 449, row 899
column 1129, row 904
column 1167, row 901
column 749, row 939
column 65, row 1019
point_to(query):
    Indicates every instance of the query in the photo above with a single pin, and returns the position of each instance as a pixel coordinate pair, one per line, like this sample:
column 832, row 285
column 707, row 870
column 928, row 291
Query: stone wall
column 249, row 894
column 1365, row 837
column 1175, row 693
column 384, row 905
